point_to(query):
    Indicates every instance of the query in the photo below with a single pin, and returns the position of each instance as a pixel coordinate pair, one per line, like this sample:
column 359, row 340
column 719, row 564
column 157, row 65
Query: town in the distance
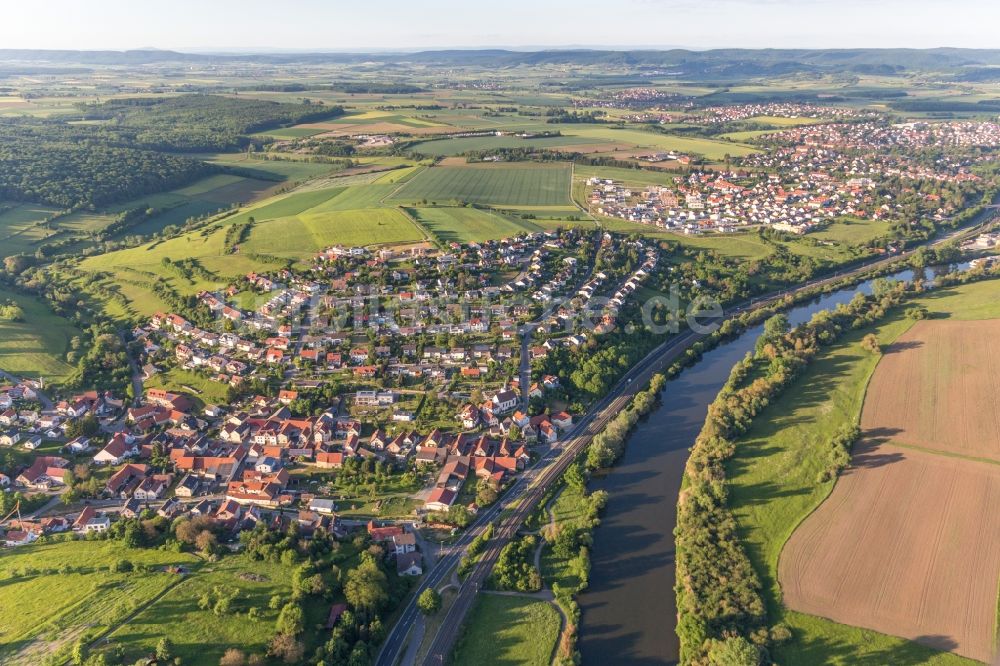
column 499, row 357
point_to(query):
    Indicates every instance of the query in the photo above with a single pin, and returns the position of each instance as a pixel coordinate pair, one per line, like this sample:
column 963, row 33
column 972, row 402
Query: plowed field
column 908, row 543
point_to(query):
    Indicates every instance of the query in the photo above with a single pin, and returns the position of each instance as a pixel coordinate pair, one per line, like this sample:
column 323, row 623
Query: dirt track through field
column 908, row 543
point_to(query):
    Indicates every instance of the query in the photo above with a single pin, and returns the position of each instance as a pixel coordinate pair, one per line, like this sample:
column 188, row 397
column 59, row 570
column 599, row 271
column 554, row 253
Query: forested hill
column 720, row 62
column 197, row 123
column 131, row 149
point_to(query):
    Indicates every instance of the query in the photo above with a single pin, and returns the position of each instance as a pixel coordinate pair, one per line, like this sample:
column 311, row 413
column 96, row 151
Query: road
column 528, row 329
column 525, row 494
column 46, row 402
column 136, row 374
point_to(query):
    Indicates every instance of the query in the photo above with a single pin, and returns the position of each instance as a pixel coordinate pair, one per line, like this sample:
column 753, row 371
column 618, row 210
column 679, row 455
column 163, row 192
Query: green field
column 293, row 226
column 273, row 170
column 708, row 148
column 201, row 637
column 35, row 347
column 20, row 227
column 773, row 484
column 852, row 231
column 201, row 388
column 468, row 225
column 527, row 185
column 46, row 612
column 507, row 630
column 304, row 235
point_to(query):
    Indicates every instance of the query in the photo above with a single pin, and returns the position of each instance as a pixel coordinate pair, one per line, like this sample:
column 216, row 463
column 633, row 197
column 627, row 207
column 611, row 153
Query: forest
column 196, row 123
column 129, row 150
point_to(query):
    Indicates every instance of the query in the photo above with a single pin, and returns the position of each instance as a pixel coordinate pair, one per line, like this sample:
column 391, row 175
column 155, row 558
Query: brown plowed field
column 908, row 543
column 938, row 387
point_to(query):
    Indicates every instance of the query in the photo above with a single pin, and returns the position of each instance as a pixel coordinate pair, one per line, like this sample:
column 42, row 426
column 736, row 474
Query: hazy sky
column 381, row 24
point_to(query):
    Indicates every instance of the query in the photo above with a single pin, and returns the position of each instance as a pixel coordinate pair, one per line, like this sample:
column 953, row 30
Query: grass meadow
column 36, row 346
column 508, row 630
column 200, row 637
column 44, row 613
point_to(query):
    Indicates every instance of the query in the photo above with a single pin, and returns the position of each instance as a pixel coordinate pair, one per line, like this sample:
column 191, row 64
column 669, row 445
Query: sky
column 359, row 25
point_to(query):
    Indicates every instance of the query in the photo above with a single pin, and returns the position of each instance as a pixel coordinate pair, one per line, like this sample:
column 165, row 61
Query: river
column 629, row 610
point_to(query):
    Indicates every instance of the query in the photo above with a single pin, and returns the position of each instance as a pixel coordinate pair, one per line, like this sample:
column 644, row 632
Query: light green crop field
column 304, row 235
column 285, row 226
column 747, row 245
column 468, row 225
column 779, row 121
column 508, row 630
column 747, row 135
column 530, row 185
column 44, row 613
column 36, row 346
column 773, row 483
column 709, row 148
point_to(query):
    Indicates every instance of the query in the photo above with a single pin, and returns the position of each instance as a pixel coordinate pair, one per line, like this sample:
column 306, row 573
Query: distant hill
column 719, row 63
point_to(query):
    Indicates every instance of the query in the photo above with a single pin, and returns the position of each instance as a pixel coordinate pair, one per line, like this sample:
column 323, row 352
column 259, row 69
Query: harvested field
column 908, row 542
column 950, row 373
column 906, row 545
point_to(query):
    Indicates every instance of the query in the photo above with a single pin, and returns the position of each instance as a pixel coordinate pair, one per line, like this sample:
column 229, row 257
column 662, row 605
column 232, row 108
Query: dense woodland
column 195, row 123
column 127, row 151
column 69, row 166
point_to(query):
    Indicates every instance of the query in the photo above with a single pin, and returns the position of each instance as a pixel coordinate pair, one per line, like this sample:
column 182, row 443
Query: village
column 816, row 175
column 394, row 394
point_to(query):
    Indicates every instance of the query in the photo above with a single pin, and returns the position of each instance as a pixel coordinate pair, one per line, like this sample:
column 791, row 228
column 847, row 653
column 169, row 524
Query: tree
column 286, row 648
column 429, row 601
column 871, row 344
column 132, row 535
column 366, row 587
column 291, row 620
column 574, row 477
column 775, row 328
column 164, row 649
column 206, row 542
column 486, row 492
column 736, row 651
column 233, row 657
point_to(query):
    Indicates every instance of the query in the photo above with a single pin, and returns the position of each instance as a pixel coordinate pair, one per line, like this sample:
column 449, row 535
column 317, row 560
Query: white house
column 322, row 506
column 116, row 452
column 504, row 401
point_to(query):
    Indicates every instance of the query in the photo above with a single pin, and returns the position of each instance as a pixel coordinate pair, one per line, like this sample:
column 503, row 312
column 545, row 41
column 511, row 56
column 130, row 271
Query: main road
column 524, row 495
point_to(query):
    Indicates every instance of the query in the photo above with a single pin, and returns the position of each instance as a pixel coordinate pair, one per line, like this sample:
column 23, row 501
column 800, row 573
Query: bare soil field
column 908, row 542
column 938, row 387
